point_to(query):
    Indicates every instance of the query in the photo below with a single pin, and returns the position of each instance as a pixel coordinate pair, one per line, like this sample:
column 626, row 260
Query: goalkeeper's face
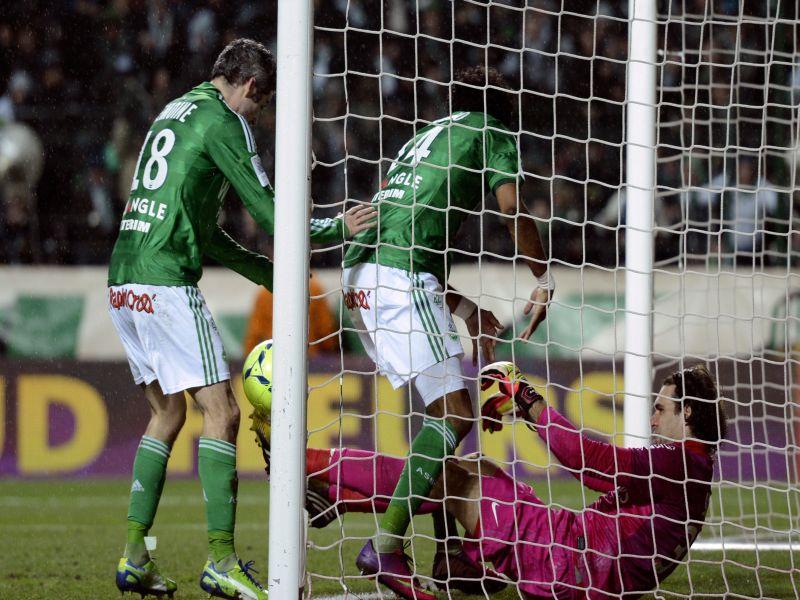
column 668, row 422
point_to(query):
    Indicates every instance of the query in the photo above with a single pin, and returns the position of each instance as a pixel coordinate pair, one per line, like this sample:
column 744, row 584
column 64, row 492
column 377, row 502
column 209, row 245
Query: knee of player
column 224, row 415
column 459, row 412
column 233, row 416
column 171, row 416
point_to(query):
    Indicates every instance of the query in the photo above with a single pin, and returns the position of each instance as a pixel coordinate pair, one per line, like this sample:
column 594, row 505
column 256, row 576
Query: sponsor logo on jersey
column 357, row 299
column 124, row 298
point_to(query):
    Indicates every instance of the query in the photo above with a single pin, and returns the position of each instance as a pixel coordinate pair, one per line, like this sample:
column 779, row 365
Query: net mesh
column 725, row 286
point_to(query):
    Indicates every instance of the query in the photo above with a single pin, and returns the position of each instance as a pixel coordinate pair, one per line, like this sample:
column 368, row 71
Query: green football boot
column 236, row 583
column 143, row 580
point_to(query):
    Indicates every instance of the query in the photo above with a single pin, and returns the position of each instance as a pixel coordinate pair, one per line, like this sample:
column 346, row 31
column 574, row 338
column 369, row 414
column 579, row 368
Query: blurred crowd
column 84, row 78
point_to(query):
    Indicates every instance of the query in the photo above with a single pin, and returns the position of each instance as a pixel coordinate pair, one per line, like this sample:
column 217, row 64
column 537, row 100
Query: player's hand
column 359, row 218
column 505, row 374
column 483, row 327
column 537, row 308
column 494, row 409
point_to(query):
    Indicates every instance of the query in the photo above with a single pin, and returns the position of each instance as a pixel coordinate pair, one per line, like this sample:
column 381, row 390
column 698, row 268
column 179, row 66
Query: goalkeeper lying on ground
column 627, row 541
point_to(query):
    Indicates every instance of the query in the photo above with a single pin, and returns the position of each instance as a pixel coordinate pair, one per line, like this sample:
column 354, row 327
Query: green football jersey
column 195, row 150
column 438, row 177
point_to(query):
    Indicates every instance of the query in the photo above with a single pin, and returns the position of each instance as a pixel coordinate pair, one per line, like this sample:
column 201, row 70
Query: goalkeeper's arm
column 608, row 465
column 518, row 396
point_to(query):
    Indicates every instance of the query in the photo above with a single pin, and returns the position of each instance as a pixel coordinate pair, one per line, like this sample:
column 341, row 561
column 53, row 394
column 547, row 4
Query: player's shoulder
column 220, row 118
column 198, row 109
column 480, row 120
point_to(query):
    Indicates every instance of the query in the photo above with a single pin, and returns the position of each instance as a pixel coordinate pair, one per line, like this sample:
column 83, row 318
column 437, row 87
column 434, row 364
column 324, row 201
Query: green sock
column 216, row 464
column 149, row 472
column 436, row 439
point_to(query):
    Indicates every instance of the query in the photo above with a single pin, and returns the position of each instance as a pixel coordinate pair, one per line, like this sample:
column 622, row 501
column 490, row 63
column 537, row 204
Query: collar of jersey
column 696, row 446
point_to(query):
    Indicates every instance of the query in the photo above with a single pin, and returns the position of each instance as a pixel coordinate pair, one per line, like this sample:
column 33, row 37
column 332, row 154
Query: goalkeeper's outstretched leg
column 353, row 480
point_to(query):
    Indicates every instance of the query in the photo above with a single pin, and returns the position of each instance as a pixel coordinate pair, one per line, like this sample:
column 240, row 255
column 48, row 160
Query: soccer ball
column 257, row 378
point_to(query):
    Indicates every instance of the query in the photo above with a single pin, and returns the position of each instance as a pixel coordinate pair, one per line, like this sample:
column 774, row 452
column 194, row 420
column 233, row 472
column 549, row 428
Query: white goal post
column 290, row 333
column 641, row 187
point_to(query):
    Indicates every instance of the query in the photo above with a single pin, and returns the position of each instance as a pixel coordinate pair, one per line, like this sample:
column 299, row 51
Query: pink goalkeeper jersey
column 654, row 507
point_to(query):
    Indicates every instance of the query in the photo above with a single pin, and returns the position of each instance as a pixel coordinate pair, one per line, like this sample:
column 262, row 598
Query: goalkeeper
column 394, row 284
column 197, row 147
column 654, row 503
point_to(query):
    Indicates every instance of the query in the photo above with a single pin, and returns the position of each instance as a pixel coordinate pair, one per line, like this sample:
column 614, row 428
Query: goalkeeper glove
column 516, row 395
column 493, row 410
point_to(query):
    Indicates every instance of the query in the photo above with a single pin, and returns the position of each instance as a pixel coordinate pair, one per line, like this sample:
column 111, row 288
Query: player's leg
column 352, row 480
column 453, row 567
column 190, row 357
column 508, row 525
column 455, row 408
column 368, row 475
column 442, row 429
column 216, row 465
column 224, row 574
column 405, row 317
column 460, row 488
column 136, row 571
column 167, row 415
column 448, row 419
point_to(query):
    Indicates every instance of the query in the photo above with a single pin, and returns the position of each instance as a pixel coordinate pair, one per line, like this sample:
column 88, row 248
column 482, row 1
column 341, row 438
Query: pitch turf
column 62, row 539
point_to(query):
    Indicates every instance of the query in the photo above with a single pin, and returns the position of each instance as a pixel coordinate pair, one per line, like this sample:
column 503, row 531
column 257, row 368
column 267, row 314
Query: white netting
column 727, row 171
column 727, row 247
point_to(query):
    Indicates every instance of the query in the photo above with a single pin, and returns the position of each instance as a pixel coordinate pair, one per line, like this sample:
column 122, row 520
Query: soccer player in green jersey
column 398, row 274
column 197, row 147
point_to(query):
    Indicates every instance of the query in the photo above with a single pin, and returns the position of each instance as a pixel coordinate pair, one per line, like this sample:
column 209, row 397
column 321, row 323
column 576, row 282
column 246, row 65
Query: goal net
column 726, row 289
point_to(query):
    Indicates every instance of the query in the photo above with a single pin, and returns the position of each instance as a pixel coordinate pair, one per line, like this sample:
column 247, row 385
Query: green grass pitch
column 62, row 539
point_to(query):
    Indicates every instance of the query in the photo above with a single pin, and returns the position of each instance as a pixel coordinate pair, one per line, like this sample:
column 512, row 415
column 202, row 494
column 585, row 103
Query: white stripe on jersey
column 248, row 135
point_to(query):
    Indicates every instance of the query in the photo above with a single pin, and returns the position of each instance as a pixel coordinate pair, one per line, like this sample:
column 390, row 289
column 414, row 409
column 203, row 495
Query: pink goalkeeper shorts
column 525, row 540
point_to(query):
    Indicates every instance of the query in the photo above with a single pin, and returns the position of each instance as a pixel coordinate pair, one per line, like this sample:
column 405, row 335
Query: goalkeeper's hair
column 696, row 387
column 478, row 89
column 242, row 59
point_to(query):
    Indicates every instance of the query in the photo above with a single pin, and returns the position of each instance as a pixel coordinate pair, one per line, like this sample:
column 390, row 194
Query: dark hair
column 245, row 58
column 478, row 89
column 695, row 387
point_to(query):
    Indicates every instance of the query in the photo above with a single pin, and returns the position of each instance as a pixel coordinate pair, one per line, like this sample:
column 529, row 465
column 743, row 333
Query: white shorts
column 169, row 335
column 404, row 324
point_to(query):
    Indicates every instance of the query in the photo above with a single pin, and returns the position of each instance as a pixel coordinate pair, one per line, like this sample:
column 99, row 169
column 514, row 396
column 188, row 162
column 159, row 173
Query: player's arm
column 525, row 234
column 233, row 151
column 255, row 267
column 608, row 466
column 344, row 225
column 502, row 161
column 482, row 324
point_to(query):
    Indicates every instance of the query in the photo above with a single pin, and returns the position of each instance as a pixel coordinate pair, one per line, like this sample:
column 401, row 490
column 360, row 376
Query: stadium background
column 87, row 76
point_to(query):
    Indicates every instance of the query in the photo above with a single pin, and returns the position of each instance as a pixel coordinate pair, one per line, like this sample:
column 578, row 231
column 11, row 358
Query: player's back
column 176, row 192
column 437, row 179
column 650, row 516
